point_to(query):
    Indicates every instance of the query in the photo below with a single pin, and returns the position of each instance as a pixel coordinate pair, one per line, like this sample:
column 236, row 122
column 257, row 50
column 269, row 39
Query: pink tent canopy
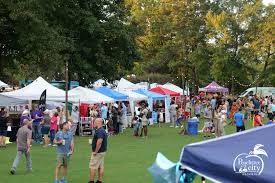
column 214, row 87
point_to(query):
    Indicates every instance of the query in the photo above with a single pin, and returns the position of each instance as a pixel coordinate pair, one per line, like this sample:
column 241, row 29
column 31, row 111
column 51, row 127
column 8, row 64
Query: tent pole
column 66, row 89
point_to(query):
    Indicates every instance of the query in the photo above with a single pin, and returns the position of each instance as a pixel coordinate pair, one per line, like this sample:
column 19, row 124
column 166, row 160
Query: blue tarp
column 112, row 93
column 248, row 156
column 153, row 95
column 163, row 170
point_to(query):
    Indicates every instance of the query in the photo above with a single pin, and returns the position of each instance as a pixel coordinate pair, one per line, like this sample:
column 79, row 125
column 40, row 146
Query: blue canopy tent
column 149, row 94
column 112, row 93
column 152, row 96
column 243, row 157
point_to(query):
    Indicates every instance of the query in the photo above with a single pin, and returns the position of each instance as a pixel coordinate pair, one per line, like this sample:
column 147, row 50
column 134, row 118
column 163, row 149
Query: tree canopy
column 38, row 36
column 190, row 42
column 231, row 42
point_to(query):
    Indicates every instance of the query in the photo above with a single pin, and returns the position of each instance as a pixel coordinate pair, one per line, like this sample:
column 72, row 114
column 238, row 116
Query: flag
column 42, row 101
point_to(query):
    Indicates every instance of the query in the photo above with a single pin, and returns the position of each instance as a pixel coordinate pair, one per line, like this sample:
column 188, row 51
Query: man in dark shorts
column 24, row 137
column 99, row 148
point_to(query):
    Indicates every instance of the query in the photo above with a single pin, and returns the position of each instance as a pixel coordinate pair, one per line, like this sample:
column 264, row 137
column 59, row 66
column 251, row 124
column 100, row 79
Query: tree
column 234, row 31
column 174, row 37
column 94, row 35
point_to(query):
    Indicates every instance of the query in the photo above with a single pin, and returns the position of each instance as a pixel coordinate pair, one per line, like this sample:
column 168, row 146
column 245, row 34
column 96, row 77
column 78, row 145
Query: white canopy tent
column 2, row 84
column 9, row 101
column 99, row 83
column 133, row 98
column 89, row 96
column 125, row 85
column 34, row 90
column 143, row 85
column 174, row 88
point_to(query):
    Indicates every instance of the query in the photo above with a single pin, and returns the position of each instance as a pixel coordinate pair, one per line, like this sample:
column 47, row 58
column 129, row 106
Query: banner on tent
column 86, row 125
column 16, row 108
column 73, row 109
column 75, row 113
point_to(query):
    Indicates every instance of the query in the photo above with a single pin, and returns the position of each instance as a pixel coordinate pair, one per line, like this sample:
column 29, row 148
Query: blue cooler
column 193, row 126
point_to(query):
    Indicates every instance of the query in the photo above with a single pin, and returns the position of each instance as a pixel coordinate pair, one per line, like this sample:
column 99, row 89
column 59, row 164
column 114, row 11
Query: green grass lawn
column 127, row 160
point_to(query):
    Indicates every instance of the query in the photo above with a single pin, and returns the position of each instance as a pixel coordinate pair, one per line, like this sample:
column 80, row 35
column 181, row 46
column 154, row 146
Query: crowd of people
column 219, row 111
column 61, row 136
column 115, row 115
column 50, row 128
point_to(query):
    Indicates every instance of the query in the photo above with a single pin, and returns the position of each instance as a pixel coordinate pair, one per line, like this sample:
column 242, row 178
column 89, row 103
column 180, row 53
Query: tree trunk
column 195, row 80
column 264, row 75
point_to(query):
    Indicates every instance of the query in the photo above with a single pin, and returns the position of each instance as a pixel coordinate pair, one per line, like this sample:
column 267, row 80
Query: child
column 24, row 137
column 161, row 118
column 136, row 125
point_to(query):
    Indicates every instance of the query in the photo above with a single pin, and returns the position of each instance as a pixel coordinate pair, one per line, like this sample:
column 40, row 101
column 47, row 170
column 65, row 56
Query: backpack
column 149, row 114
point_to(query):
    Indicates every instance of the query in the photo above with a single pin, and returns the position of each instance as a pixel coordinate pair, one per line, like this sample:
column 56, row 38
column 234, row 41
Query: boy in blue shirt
column 239, row 120
column 65, row 148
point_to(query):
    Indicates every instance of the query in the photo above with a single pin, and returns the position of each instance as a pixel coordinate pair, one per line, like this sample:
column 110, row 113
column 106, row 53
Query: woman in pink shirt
column 53, row 127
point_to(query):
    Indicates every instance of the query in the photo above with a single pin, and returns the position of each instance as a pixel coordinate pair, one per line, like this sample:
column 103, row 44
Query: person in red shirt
column 257, row 120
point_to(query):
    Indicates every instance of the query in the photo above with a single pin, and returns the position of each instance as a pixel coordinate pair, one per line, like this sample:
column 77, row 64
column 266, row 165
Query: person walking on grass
column 99, row 148
column 239, row 120
column 24, row 137
column 65, row 148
